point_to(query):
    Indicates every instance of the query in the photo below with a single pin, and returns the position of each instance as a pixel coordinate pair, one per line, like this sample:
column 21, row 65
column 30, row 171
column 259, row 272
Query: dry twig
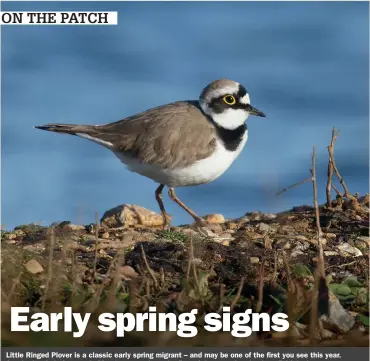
column 148, row 268
column 294, row 185
column 50, row 269
column 237, row 296
column 261, row 275
column 317, row 213
column 96, row 242
column 330, row 167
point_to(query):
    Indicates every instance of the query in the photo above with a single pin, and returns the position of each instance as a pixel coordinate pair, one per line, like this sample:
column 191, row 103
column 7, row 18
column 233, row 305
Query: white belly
column 201, row 172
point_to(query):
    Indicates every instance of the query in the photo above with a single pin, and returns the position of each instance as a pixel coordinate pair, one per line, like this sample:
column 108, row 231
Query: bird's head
column 227, row 103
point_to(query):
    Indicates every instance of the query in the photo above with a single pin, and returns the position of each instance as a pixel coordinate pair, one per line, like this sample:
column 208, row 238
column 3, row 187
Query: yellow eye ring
column 229, row 99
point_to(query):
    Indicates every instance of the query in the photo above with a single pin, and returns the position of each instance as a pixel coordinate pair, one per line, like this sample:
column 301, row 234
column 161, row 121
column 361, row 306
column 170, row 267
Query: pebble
column 33, row 266
column 331, row 253
column 215, row 227
column 75, row 227
column 300, row 238
column 346, row 248
column 338, row 318
column 282, row 244
column 105, row 235
column 296, row 252
column 189, row 232
column 249, row 235
column 129, row 272
column 232, row 225
column 263, row 227
column 330, row 235
column 215, row 218
column 254, row 260
column 362, row 241
column 19, row 233
column 131, row 215
column 243, row 220
column 226, row 235
column 254, row 216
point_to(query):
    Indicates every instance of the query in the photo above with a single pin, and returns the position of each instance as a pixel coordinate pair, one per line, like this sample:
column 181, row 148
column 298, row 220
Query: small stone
column 75, row 227
column 339, row 319
column 215, row 227
column 189, row 232
column 300, row 238
column 226, row 243
column 128, row 240
column 129, row 272
column 359, row 218
column 263, row 227
column 254, row 260
column 269, row 216
column 215, row 218
column 296, row 253
column 226, row 235
column 105, row 235
column 33, row 266
column 12, row 236
column 19, row 233
column 331, row 253
column 254, row 216
column 197, row 261
column 348, row 249
column 323, row 241
column 232, row 225
column 207, row 232
column 249, row 235
column 131, row 215
column 282, row 244
column 331, row 235
column 362, row 241
column 243, row 220
column 302, row 246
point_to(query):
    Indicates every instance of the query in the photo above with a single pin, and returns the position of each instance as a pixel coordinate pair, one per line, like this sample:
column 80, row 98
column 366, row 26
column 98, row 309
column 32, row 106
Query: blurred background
column 305, row 65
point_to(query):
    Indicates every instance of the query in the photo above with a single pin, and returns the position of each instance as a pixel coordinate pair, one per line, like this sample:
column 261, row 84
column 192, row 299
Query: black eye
column 229, row 99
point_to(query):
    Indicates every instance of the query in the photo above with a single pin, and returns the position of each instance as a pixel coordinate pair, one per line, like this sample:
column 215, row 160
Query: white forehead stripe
column 224, row 91
column 245, row 99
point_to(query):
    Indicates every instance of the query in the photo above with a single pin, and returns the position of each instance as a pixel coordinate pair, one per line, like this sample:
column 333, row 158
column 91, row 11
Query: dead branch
column 347, row 193
column 291, row 286
column 339, row 193
column 237, row 296
column 50, row 269
column 317, row 213
column 96, row 243
column 261, row 275
column 294, row 185
column 148, row 268
column 314, row 307
column 330, row 167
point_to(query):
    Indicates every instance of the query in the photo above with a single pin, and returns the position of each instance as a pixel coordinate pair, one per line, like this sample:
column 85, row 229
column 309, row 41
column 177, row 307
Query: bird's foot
column 203, row 227
column 166, row 221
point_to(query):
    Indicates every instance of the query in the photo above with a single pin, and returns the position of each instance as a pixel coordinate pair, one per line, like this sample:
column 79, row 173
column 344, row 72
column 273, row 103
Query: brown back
column 171, row 136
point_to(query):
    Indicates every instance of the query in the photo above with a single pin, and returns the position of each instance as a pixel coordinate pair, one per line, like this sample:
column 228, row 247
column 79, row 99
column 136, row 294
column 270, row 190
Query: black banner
column 185, row 354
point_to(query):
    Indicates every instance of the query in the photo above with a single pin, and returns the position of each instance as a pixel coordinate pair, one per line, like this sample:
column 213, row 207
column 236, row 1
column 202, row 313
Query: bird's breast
column 202, row 171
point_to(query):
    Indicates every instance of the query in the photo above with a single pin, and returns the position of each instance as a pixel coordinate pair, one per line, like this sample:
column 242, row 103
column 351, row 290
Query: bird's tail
column 66, row 128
